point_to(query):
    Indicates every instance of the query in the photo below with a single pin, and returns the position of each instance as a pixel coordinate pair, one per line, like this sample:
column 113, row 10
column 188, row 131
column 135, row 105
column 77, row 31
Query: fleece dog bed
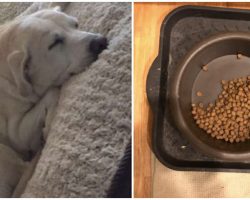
column 92, row 125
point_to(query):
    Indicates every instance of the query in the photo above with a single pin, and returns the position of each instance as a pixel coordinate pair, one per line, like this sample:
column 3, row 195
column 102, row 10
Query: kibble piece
column 223, row 82
column 239, row 56
column 205, row 68
column 199, row 94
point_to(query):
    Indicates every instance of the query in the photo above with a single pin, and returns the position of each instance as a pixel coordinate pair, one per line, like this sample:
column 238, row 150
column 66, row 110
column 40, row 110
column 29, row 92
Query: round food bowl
column 219, row 54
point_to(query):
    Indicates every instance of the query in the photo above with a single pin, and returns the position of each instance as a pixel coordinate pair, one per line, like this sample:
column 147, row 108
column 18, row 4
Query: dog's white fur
column 31, row 70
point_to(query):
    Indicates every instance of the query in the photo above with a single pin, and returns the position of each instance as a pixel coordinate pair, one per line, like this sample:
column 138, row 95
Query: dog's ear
column 19, row 65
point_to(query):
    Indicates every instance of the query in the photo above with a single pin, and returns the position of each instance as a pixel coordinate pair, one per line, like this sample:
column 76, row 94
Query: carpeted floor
column 8, row 10
column 93, row 122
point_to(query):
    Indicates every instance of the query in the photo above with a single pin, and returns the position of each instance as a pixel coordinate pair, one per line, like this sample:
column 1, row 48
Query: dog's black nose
column 97, row 45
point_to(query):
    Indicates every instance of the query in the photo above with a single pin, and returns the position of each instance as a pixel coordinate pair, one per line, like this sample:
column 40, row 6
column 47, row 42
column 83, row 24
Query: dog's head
column 48, row 48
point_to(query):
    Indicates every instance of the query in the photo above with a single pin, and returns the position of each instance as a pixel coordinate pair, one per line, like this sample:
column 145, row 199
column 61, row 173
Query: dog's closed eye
column 57, row 41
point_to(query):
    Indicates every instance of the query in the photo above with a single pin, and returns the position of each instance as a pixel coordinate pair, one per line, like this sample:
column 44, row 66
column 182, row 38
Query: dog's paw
column 50, row 108
column 35, row 146
column 51, row 98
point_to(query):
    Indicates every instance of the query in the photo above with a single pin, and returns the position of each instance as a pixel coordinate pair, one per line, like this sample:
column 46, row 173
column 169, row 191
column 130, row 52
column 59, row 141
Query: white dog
column 38, row 53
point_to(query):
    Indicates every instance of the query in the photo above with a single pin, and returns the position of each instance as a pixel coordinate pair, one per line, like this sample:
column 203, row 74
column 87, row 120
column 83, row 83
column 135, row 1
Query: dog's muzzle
column 98, row 44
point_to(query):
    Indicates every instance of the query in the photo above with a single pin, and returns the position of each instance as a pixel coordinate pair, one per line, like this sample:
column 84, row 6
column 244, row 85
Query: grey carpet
column 9, row 10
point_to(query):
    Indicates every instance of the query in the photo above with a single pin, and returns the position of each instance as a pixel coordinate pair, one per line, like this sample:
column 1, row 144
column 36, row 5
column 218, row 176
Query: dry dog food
column 239, row 56
column 205, row 68
column 199, row 94
column 228, row 118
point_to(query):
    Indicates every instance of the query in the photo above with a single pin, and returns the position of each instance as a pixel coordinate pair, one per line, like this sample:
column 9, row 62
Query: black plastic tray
column 180, row 31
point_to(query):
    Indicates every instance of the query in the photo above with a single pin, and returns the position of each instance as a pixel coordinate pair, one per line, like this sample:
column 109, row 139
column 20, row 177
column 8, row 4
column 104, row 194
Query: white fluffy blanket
column 93, row 121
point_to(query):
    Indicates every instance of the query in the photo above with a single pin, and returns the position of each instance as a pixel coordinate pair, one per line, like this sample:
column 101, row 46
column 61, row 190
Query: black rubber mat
column 121, row 183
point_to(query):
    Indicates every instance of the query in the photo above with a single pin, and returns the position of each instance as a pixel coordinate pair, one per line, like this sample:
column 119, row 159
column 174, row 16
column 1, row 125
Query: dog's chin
column 67, row 75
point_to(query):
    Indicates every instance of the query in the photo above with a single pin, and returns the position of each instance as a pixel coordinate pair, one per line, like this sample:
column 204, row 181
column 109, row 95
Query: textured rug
column 8, row 10
column 92, row 125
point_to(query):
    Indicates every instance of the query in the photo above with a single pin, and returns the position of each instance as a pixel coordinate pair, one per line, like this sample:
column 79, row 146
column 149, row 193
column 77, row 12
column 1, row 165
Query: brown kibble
column 239, row 56
column 210, row 105
column 205, row 68
column 223, row 82
column 228, row 118
column 199, row 94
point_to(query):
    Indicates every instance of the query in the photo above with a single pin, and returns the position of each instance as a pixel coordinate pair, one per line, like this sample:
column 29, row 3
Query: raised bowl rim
column 174, row 104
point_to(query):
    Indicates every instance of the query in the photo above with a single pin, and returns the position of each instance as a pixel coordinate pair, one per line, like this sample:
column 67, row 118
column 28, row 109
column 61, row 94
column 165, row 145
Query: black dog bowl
column 192, row 36
column 219, row 53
